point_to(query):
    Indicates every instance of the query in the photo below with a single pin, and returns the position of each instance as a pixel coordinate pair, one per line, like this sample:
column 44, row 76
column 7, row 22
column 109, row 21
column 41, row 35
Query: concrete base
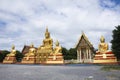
column 108, row 57
column 30, row 60
column 9, row 60
column 55, row 59
column 51, row 59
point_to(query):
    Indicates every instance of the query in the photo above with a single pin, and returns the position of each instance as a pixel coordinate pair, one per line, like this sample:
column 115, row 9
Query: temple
column 85, row 50
column 104, row 55
column 45, row 53
column 10, row 58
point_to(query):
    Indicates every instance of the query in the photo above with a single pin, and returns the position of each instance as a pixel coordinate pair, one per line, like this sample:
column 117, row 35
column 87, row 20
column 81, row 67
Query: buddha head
column 102, row 39
column 13, row 47
column 57, row 43
column 32, row 45
column 47, row 34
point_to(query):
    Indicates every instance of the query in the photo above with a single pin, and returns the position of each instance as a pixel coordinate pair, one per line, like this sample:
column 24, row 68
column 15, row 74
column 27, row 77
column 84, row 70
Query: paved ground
column 61, row 72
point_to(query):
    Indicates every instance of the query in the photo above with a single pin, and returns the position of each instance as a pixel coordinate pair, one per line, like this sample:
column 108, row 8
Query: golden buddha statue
column 32, row 52
column 47, row 45
column 57, row 50
column 12, row 53
column 103, row 47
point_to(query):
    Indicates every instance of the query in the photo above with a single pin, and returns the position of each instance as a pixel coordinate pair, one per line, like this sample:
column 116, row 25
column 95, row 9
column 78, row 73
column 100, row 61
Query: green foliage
column 19, row 56
column 108, row 68
column 3, row 54
column 116, row 42
column 65, row 52
column 73, row 53
column 69, row 54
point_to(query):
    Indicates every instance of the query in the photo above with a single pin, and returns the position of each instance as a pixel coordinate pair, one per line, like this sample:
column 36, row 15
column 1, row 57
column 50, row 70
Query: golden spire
column 47, row 34
column 46, row 28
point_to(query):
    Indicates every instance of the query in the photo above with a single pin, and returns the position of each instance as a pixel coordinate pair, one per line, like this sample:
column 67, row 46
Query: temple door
column 83, row 54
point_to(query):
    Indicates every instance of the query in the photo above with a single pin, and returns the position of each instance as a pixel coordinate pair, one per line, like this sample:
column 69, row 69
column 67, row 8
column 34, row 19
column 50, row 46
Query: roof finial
column 82, row 31
column 47, row 34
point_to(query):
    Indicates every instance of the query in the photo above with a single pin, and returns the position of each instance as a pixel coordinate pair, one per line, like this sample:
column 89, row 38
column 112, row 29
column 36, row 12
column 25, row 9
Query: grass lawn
column 112, row 67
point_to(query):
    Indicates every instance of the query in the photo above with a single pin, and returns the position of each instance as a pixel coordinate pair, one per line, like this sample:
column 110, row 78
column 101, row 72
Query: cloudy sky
column 23, row 22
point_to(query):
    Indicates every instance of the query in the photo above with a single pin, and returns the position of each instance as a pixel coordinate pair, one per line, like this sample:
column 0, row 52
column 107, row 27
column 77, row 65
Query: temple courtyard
column 56, row 72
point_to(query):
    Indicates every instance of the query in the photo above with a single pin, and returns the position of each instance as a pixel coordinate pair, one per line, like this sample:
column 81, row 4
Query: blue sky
column 23, row 22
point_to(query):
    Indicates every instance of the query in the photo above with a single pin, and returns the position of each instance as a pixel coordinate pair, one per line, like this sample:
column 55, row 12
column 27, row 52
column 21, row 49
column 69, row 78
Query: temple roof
column 26, row 49
column 86, row 40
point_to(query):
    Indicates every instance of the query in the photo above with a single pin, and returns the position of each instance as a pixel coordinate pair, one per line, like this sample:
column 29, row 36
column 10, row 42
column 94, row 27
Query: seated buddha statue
column 47, row 45
column 31, row 52
column 103, row 47
column 12, row 53
column 57, row 50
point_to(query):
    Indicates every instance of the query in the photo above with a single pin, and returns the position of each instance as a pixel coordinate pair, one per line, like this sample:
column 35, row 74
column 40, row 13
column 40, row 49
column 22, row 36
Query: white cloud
column 26, row 21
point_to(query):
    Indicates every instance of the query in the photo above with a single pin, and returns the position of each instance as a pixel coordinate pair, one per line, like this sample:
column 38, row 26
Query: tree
column 3, row 54
column 69, row 54
column 116, row 42
column 65, row 52
column 73, row 53
column 19, row 56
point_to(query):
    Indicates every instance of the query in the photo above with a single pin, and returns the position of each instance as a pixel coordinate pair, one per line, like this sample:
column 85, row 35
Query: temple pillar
column 87, row 55
column 78, row 59
column 90, row 56
column 80, row 55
